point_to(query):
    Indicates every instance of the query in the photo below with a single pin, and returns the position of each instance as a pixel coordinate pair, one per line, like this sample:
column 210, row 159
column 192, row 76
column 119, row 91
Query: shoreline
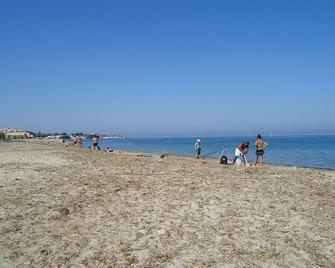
column 50, row 141
column 215, row 158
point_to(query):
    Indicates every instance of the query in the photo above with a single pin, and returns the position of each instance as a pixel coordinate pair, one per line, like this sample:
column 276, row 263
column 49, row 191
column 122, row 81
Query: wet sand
column 66, row 206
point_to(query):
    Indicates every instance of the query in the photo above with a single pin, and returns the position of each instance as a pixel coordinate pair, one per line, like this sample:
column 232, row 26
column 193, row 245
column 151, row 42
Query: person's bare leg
column 234, row 160
column 256, row 161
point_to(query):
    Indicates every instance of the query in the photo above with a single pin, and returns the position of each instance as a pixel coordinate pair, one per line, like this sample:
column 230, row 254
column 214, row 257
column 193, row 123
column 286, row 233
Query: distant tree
column 2, row 135
column 41, row 135
column 38, row 134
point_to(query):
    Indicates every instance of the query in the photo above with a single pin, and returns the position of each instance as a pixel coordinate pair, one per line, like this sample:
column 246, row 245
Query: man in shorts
column 95, row 142
column 78, row 141
column 241, row 150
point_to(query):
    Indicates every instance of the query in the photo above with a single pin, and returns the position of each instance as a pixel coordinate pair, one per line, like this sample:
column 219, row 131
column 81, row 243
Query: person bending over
column 241, row 150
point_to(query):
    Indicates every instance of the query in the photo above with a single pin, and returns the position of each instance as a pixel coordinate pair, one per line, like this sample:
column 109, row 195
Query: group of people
column 78, row 142
column 241, row 151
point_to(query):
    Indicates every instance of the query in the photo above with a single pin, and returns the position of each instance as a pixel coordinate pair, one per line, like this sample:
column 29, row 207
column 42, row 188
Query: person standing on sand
column 197, row 148
column 95, row 142
column 78, row 141
column 260, row 145
column 241, row 150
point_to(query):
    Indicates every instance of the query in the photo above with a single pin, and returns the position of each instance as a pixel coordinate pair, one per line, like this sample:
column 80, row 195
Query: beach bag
column 223, row 160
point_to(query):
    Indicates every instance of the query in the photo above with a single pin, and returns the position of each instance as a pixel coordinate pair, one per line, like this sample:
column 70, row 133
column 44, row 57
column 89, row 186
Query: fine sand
column 72, row 207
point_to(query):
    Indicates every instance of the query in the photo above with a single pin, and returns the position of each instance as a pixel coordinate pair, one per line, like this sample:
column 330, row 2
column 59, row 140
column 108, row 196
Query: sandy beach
column 72, row 207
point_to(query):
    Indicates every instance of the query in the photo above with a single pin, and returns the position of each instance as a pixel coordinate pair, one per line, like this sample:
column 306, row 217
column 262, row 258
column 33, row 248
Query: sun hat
column 198, row 140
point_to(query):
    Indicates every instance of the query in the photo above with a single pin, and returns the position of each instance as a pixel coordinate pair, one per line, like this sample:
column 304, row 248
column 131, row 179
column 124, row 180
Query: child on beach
column 197, row 148
column 260, row 145
column 241, row 150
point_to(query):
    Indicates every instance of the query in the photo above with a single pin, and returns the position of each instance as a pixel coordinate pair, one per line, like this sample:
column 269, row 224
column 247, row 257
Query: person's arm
column 240, row 147
column 245, row 150
column 246, row 161
column 264, row 144
column 233, row 160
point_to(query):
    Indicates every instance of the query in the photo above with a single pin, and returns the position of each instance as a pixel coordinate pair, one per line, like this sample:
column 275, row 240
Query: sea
column 297, row 150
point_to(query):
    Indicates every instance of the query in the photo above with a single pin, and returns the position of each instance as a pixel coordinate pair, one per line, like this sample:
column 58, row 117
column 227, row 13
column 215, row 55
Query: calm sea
column 302, row 150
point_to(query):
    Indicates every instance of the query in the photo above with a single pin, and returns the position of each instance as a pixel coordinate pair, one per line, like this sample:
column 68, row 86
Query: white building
column 18, row 133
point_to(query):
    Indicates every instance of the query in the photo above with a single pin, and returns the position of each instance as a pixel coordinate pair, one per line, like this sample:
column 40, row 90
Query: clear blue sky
column 168, row 68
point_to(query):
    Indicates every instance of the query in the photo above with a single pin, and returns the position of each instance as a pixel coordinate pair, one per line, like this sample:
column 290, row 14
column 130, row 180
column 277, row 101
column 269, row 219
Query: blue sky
column 168, row 68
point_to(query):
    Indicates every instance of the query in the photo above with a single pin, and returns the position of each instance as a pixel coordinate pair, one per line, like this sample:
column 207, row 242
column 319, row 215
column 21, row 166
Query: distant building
column 18, row 133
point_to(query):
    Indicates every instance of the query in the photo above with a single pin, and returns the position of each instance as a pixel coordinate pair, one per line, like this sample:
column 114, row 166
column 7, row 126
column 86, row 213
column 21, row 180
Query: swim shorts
column 259, row 152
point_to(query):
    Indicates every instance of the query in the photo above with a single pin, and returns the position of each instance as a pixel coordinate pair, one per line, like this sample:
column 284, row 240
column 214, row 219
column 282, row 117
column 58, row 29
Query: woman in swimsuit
column 260, row 145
